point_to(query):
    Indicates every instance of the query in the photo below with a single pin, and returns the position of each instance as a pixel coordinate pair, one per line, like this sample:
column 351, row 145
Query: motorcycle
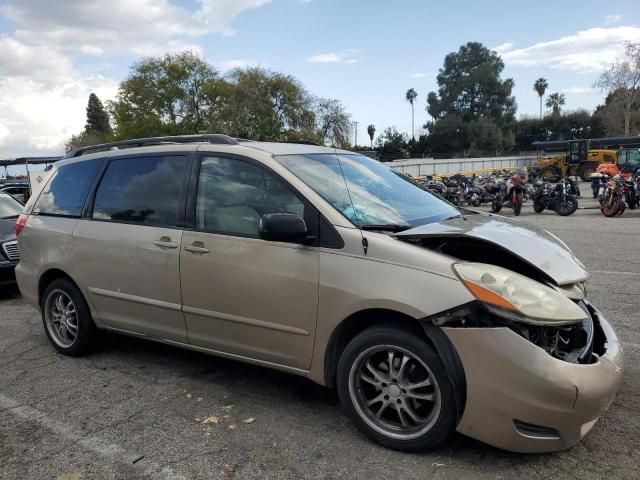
column 454, row 191
column 511, row 192
column 632, row 191
column 557, row 195
column 612, row 199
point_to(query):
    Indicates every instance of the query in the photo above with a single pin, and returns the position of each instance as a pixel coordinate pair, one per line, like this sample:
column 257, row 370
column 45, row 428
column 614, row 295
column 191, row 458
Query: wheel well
column 48, row 277
column 357, row 323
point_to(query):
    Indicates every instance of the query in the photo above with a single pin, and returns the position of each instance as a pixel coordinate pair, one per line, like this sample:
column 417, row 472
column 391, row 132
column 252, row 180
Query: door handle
column 197, row 247
column 165, row 242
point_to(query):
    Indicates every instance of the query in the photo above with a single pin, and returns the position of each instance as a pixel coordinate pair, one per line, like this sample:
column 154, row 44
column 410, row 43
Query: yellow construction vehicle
column 579, row 158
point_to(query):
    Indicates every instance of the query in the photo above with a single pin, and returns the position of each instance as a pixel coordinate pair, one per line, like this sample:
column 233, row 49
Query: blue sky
column 364, row 53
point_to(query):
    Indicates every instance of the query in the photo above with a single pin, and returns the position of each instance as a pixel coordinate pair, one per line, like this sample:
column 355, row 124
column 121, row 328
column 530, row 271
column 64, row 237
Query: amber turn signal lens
column 485, row 295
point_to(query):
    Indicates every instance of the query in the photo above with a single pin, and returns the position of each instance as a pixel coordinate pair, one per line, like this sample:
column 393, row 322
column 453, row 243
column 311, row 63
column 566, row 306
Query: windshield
column 376, row 195
column 9, row 207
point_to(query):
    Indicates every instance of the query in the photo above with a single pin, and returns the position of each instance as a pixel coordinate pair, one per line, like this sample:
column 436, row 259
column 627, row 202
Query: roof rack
column 214, row 138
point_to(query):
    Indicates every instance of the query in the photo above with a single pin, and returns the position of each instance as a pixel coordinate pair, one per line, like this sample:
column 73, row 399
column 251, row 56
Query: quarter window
column 143, row 190
column 233, row 195
column 66, row 191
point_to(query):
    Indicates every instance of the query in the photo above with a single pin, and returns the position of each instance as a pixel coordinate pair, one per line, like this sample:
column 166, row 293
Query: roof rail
column 304, row 142
column 214, row 138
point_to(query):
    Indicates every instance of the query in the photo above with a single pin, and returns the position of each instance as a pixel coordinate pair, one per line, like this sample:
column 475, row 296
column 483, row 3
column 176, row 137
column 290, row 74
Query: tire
column 537, row 207
column 496, row 204
column 371, row 348
column 81, row 332
column 595, row 192
column 548, row 172
column 517, row 205
column 586, row 171
column 631, row 200
column 566, row 206
column 611, row 211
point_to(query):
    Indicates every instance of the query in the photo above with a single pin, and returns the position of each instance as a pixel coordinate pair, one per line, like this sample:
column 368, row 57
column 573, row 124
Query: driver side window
column 233, row 195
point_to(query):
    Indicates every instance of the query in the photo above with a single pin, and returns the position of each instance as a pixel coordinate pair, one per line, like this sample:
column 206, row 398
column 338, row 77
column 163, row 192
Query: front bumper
column 511, row 381
column 7, row 272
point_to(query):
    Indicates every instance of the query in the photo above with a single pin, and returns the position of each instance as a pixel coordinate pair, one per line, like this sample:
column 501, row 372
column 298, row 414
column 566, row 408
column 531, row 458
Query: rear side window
column 67, row 190
column 144, row 190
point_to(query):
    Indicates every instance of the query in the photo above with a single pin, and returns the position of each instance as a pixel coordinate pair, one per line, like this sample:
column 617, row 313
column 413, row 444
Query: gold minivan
column 323, row 263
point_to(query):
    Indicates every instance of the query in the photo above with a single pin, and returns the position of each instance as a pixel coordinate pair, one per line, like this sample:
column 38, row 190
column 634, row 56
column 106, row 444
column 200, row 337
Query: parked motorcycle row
column 509, row 189
column 615, row 193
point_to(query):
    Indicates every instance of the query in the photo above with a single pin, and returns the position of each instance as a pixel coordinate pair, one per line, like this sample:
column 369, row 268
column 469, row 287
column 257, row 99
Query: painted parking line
column 92, row 443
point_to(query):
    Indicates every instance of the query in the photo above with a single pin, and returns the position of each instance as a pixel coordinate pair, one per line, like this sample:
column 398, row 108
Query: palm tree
column 371, row 130
column 541, row 86
column 555, row 101
column 411, row 96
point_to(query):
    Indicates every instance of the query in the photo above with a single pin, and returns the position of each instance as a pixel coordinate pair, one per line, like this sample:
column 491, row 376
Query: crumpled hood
column 535, row 246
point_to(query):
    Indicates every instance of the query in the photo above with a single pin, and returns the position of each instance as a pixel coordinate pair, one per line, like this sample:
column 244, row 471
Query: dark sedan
column 10, row 209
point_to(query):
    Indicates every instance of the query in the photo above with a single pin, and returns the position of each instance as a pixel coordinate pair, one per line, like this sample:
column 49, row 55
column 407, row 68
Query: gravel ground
column 135, row 409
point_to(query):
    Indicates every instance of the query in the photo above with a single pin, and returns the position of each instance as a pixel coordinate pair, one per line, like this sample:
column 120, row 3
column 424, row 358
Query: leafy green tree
column 469, row 89
column 555, row 102
column 392, row 144
column 411, row 96
column 97, row 117
column 164, row 95
column 578, row 124
column 371, row 130
column 541, row 86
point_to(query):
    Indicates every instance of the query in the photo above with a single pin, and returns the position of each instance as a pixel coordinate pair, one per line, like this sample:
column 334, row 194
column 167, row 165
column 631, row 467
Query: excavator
column 579, row 157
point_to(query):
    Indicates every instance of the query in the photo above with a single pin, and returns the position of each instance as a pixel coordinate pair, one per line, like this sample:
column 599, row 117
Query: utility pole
column 356, row 142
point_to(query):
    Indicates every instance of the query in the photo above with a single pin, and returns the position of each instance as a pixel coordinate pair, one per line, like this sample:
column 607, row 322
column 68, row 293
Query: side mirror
column 282, row 227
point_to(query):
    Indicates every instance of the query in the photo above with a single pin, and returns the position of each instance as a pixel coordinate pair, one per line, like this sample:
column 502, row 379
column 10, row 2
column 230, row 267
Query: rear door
column 127, row 245
column 243, row 295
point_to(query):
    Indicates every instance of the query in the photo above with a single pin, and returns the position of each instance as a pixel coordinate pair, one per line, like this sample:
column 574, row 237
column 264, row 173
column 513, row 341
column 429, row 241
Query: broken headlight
column 517, row 297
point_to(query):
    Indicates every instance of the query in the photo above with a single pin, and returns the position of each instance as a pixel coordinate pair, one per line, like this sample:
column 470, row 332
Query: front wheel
column 67, row 319
column 517, row 203
column 632, row 199
column 496, row 204
column 538, row 207
column 396, row 390
column 566, row 206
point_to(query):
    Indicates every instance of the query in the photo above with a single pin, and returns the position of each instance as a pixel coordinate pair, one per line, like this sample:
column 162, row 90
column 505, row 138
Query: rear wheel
column 67, row 319
column 395, row 389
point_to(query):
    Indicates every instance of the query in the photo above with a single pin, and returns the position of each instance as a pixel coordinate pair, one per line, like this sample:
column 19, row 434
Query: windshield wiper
column 387, row 227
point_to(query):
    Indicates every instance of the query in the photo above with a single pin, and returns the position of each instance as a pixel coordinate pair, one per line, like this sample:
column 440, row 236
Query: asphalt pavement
column 137, row 409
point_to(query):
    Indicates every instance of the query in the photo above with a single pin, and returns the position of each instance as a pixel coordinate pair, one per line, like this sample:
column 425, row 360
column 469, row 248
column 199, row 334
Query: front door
column 243, row 295
column 127, row 250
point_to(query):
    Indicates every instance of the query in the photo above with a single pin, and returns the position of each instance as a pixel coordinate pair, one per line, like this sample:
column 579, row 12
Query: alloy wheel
column 394, row 392
column 61, row 318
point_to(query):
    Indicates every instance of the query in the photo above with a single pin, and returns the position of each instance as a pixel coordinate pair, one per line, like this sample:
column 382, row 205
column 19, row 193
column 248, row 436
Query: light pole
column 356, row 142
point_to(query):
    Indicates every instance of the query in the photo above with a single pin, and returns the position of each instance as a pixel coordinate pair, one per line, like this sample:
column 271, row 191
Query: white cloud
column 577, row 90
column 345, row 56
column 503, row 47
column 418, row 75
column 612, row 19
column 96, row 27
column 38, row 117
column 43, row 94
column 586, row 51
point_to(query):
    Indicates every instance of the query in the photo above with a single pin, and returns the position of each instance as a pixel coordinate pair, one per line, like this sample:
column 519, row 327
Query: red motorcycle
column 511, row 193
column 612, row 199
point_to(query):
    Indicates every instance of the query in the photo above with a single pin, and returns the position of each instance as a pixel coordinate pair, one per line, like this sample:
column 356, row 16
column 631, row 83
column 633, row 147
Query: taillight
column 21, row 222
